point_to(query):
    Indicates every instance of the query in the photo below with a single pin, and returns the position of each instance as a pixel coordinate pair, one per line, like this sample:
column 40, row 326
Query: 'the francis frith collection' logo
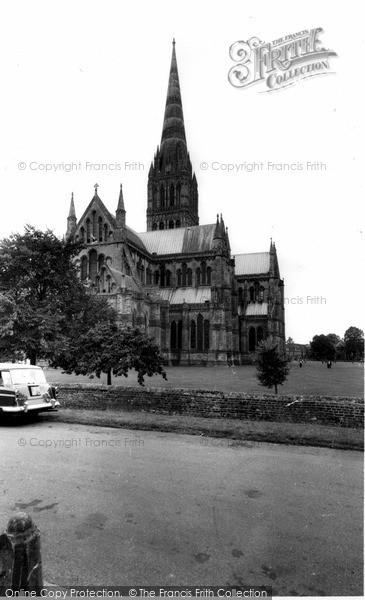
column 280, row 63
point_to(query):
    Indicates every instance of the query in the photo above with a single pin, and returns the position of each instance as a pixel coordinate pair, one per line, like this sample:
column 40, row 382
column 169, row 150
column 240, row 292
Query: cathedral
column 178, row 280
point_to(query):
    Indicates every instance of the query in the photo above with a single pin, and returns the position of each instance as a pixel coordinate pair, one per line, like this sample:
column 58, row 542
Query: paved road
column 117, row 507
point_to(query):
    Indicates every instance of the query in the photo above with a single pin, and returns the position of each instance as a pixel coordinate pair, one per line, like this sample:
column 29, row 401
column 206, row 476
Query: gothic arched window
column 261, row 294
column 88, row 231
column 172, row 195
column 177, row 223
column 178, row 194
column 251, row 339
column 189, row 275
column 82, row 234
column 184, row 275
column 154, row 227
column 94, row 232
column 200, row 325
column 252, row 294
column 101, row 259
column 206, row 334
column 93, row 264
column 173, row 336
column 161, row 225
column 168, row 278
column 83, row 267
column 162, row 197
column 102, row 280
column 156, row 277
column 171, row 224
column 179, row 335
column 193, row 335
column 100, row 229
column 204, row 273
column 209, row 275
column 198, row 276
column 105, row 232
column 162, row 276
column 179, row 278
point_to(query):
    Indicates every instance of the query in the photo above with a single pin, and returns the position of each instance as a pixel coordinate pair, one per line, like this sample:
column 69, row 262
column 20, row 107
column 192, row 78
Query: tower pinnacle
column 71, row 219
column 120, row 212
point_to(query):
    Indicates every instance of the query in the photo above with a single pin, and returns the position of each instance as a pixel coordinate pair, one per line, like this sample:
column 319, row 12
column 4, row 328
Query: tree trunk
column 109, row 377
column 33, row 358
column 276, row 388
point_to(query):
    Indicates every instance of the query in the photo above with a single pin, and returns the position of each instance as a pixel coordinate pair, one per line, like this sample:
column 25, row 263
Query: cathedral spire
column 173, row 123
column 172, row 187
column 120, row 212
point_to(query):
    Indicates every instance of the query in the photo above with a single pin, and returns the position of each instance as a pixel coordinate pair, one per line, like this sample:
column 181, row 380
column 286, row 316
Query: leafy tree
column 43, row 301
column 340, row 350
column 108, row 348
column 322, row 348
column 354, row 342
column 334, row 338
column 272, row 365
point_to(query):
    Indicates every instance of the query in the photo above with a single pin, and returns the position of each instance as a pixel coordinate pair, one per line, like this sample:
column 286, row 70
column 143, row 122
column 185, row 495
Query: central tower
column 172, row 186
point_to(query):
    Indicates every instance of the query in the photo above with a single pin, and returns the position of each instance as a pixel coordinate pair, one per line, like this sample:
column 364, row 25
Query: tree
column 354, row 343
column 334, row 338
column 272, row 365
column 322, row 348
column 109, row 348
column 340, row 350
column 290, row 346
column 43, row 300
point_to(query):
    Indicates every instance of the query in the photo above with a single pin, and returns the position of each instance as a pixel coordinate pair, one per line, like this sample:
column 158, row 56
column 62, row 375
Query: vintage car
column 23, row 389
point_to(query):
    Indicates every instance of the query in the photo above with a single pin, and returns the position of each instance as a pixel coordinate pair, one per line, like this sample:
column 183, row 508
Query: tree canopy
column 42, row 301
column 354, row 342
column 322, row 347
column 111, row 349
column 272, row 365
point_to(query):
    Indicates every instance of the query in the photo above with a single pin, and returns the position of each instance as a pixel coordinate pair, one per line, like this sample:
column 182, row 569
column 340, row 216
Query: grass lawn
column 230, row 432
column 344, row 379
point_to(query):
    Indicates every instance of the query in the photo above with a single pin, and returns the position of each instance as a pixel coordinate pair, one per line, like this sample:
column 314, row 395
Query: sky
column 84, row 84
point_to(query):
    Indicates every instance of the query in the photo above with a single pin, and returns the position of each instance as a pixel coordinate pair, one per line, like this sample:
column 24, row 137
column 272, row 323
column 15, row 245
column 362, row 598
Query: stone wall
column 335, row 411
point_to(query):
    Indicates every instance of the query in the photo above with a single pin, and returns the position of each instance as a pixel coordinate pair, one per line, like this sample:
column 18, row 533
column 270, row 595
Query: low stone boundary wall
column 335, row 411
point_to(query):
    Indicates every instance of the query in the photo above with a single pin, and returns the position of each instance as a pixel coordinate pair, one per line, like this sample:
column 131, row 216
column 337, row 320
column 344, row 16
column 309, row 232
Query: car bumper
column 25, row 408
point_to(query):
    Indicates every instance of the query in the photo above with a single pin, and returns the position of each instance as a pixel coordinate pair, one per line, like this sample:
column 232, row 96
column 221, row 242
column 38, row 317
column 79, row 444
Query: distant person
column 329, row 364
column 301, row 363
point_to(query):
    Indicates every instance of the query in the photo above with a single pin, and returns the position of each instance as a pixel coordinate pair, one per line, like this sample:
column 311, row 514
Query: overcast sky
column 85, row 82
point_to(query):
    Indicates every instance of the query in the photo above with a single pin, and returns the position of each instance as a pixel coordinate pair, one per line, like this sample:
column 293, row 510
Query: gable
column 96, row 210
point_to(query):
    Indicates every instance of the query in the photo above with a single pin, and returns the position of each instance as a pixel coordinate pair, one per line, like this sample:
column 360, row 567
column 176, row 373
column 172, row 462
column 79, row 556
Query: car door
column 7, row 394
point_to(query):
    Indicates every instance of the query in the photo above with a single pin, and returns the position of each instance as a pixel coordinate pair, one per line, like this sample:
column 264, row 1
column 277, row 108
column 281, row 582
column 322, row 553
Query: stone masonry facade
column 178, row 280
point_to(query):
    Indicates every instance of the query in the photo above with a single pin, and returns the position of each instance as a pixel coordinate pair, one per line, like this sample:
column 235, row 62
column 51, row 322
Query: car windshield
column 26, row 376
